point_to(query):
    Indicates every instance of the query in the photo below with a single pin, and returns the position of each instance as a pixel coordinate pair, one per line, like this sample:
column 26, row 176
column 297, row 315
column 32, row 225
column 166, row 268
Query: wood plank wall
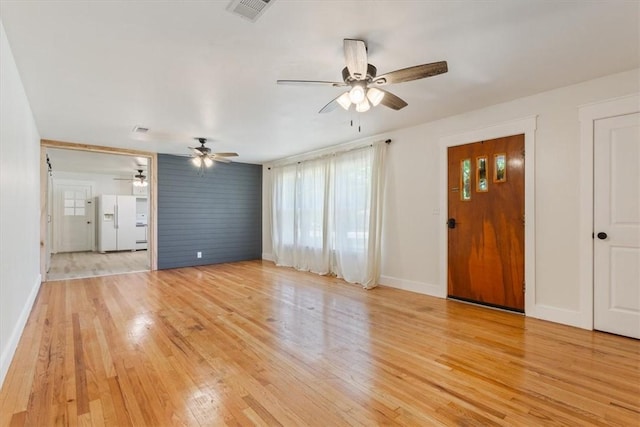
column 218, row 213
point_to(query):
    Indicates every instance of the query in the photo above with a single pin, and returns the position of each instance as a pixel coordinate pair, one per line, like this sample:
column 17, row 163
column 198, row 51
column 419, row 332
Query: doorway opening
column 98, row 211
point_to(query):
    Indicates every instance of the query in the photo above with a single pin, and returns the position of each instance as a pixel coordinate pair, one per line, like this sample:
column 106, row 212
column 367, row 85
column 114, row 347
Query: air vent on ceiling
column 249, row 9
column 140, row 129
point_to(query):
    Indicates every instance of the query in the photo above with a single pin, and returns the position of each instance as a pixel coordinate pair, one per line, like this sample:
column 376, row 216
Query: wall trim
column 268, row 257
column 588, row 115
column 526, row 126
column 9, row 351
column 434, row 290
column 557, row 315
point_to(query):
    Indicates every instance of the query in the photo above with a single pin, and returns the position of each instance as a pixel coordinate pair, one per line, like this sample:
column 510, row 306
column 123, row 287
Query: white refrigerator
column 116, row 223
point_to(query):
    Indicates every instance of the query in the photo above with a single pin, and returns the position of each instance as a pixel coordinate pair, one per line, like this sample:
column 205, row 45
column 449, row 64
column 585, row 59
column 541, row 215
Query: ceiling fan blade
column 225, row 154
column 331, row 105
column 310, row 82
column 195, row 150
column 355, row 56
column 220, row 159
column 124, row 179
column 411, row 73
column 392, row 101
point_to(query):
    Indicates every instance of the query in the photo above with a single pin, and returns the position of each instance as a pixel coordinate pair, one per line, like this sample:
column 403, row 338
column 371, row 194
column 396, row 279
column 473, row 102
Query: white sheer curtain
column 282, row 223
column 300, row 216
column 357, row 199
column 327, row 214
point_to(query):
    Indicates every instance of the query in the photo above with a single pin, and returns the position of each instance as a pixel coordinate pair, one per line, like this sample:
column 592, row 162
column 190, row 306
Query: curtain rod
column 333, row 153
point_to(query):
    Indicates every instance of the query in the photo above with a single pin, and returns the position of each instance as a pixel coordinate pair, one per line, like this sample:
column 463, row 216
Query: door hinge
column 524, row 287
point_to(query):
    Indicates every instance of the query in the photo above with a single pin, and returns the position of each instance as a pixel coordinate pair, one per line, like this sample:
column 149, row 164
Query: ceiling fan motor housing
column 371, row 74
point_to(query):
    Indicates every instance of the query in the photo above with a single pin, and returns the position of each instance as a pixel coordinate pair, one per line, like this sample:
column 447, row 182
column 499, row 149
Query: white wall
column 412, row 222
column 103, row 183
column 19, row 206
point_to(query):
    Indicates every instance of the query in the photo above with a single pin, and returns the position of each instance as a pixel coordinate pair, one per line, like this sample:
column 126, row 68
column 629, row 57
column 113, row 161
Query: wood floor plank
column 249, row 343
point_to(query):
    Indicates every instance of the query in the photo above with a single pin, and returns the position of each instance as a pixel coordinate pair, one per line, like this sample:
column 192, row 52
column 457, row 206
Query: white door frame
column 588, row 115
column 526, row 126
column 152, row 197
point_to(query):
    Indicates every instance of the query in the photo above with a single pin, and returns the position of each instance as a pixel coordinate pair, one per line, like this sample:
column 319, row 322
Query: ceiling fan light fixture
column 344, row 100
column 140, row 183
column 356, row 94
column 197, row 161
column 375, row 96
column 363, row 106
column 208, row 162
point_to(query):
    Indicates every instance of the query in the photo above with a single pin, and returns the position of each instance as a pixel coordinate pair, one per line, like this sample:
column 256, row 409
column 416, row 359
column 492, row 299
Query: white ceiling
column 95, row 69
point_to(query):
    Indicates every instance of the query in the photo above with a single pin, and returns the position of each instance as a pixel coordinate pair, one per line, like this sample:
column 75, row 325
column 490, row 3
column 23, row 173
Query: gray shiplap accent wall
column 219, row 213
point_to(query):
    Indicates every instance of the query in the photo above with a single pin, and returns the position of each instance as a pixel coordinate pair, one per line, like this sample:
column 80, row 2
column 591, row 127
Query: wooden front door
column 486, row 222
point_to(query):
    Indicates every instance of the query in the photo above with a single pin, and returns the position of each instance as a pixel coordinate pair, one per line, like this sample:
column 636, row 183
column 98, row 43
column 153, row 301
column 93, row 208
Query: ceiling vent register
column 249, row 9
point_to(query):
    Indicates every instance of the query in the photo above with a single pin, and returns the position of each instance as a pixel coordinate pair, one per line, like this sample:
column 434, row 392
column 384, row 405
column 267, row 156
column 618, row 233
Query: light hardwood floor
column 252, row 344
column 74, row 265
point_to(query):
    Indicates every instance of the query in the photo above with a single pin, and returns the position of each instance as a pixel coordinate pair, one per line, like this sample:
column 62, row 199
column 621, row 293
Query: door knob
column 602, row 235
column 451, row 223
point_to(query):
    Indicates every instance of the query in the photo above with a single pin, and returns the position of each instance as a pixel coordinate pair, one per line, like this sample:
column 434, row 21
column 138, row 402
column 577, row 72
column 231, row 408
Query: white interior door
column 617, row 225
column 74, row 217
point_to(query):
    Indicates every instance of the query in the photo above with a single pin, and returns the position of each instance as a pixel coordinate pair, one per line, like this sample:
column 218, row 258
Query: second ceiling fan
column 364, row 82
column 202, row 156
column 139, row 179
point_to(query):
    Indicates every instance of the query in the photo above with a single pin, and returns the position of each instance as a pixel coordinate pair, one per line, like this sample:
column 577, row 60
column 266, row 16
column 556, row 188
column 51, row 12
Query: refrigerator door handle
column 116, row 223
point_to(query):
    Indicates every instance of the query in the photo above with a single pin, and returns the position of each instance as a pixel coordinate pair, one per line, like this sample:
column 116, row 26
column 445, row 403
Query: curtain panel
column 327, row 214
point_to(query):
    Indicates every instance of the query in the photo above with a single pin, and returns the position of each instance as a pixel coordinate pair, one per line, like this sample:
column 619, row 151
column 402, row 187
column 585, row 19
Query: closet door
column 616, row 210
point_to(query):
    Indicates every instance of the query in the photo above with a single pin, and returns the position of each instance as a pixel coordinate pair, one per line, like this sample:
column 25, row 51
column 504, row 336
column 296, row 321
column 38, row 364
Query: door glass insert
column 465, row 179
column 482, row 184
column 500, row 168
column 74, row 203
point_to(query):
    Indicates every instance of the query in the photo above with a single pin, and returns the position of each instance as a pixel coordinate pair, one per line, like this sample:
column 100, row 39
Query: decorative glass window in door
column 74, row 203
column 500, row 167
column 465, row 179
column 482, row 183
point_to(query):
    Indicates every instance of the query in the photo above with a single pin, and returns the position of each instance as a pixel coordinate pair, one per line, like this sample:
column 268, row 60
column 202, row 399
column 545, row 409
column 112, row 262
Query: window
column 326, row 214
column 74, row 203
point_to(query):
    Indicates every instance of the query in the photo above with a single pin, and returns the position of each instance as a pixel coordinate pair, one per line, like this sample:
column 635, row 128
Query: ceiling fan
column 364, row 83
column 139, row 180
column 202, row 156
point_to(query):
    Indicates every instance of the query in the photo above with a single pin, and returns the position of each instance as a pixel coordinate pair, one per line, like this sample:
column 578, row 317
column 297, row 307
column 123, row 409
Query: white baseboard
column 268, row 257
column 413, row 286
column 9, row 351
column 559, row 315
